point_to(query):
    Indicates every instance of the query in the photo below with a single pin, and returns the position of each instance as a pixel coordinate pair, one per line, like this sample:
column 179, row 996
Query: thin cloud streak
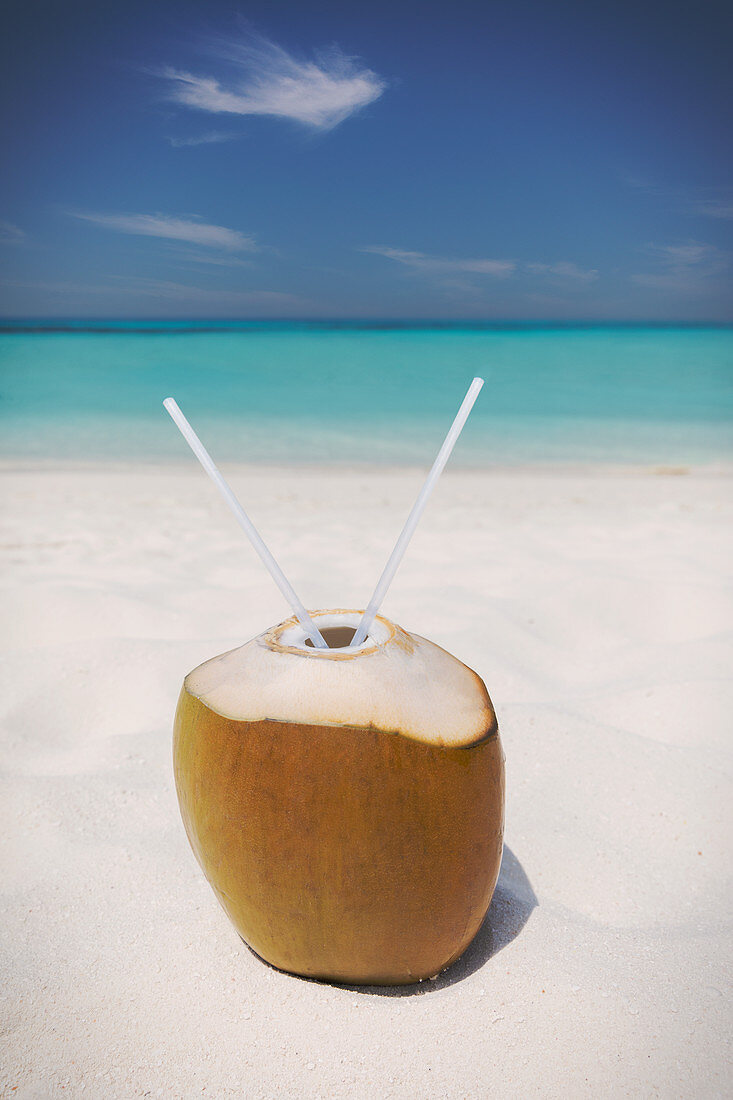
column 174, row 229
column 501, row 269
column 172, row 291
column 688, row 201
column 270, row 81
column 563, row 270
column 685, row 268
column 166, row 290
column 716, row 208
column 208, row 258
column 10, row 234
column 419, row 261
column 56, row 288
column 214, row 137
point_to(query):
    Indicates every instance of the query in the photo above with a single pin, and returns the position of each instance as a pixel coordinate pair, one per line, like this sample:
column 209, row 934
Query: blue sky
column 498, row 161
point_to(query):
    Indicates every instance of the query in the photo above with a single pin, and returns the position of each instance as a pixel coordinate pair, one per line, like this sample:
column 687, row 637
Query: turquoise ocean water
column 335, row 393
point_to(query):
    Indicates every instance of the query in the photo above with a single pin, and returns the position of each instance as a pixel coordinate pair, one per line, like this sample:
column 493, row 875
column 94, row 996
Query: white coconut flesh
column 393, row 681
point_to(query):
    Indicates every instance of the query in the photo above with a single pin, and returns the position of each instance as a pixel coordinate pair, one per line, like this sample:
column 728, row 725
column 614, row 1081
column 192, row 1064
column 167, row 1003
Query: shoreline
column 548, row 468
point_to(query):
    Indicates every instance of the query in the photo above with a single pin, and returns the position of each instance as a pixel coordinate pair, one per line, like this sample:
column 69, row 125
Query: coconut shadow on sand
column 510, row 909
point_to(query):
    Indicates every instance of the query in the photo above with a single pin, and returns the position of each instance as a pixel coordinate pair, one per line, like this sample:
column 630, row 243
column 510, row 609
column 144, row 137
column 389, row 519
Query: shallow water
column 322, row 393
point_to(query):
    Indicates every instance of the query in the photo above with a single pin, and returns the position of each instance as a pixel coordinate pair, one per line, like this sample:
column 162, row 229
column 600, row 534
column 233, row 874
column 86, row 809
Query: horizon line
column 66, row 322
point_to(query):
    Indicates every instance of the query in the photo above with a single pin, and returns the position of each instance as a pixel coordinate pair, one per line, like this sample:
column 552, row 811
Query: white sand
column 596, row 605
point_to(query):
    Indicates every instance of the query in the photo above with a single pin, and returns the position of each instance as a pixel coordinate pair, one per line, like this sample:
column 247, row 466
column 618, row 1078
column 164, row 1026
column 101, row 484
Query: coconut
column 347, row 804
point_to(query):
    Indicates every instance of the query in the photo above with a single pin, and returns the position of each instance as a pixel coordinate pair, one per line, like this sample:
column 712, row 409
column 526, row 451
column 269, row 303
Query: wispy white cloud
column 641, row 183
column 267, row 80
column 173, row 291
column 174, row 229
column 212, row 137
column 698, row 202
column 209, row 258
column 691, row 254
column 563, row 270
column 61, row 288
column 448, row 268
column 166, row 290
column 716, row 208
column 10, row 234
column 685, row 268
column 419, row 261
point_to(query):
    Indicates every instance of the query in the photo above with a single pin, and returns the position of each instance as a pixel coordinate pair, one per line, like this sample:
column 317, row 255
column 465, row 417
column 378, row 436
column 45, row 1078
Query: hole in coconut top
column 335, row 637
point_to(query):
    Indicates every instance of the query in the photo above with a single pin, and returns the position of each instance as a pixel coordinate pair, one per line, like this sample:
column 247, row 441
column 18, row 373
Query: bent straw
column 245, row 523
column 417, row 510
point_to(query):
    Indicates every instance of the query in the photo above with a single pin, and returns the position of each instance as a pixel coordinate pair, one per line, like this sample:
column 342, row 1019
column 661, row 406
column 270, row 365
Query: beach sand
column 597, row 606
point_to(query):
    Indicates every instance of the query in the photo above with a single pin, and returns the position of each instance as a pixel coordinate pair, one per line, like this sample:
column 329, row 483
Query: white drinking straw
column 245, row 523
column 417, row 510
